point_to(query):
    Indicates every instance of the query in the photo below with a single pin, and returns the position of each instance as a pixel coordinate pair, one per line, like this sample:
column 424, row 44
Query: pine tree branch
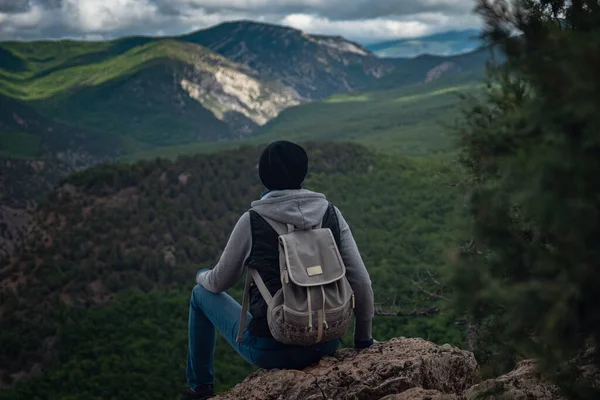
column 425, row 312
column 422, row 289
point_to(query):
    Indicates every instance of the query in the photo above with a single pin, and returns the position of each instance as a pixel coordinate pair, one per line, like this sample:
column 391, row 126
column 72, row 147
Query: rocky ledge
column 400, row 369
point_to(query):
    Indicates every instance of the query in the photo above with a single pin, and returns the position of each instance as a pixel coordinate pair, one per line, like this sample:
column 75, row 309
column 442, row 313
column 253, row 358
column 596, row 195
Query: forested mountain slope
column 409, row 121
column 160, row 92
column 102, row 289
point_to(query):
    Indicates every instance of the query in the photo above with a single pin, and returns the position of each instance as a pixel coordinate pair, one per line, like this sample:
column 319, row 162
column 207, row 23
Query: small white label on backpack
column 316, row 270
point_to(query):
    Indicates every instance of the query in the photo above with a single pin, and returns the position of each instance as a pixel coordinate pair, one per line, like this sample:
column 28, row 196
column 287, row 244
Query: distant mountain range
column 220, row 83
column 441, row 44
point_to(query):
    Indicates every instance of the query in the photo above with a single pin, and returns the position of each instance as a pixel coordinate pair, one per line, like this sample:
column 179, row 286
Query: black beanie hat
column 283, row 165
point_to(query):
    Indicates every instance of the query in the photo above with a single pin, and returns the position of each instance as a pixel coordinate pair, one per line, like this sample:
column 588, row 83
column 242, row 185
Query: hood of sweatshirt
column 301, row 208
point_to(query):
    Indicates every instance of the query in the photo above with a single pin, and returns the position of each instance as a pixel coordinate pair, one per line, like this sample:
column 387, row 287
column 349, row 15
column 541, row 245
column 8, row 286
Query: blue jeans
column 219, row 310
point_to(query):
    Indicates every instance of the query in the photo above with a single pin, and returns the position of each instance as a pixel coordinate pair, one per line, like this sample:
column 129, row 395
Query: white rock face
column 441, row 70
column 246, row 87
column 225, row 91
column 343, row 46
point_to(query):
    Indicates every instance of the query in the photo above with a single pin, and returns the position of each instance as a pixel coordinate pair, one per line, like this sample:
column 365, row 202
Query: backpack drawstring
column 310, row 316
column 324, row 318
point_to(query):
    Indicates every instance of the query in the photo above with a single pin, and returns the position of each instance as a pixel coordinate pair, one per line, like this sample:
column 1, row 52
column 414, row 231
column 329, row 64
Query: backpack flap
column 311, row 257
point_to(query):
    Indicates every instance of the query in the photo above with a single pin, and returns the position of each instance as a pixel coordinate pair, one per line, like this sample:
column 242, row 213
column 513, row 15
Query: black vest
column 264, row 257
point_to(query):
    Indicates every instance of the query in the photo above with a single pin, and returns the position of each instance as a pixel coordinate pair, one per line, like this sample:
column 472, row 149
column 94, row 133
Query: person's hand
column 202, row 271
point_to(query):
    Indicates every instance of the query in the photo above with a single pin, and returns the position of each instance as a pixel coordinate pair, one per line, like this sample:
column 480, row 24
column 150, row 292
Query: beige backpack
column 316, row 302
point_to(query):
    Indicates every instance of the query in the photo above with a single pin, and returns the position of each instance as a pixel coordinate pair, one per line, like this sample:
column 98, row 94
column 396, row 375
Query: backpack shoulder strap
column 251, row 275
column 331, row 220
column 279, row 227
column 244, row 313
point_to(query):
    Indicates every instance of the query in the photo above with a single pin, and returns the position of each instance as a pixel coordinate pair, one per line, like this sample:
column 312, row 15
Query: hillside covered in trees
column 101, row 291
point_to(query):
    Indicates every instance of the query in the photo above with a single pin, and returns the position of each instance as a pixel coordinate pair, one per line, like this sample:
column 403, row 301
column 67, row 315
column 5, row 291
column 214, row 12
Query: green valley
column 409, row 121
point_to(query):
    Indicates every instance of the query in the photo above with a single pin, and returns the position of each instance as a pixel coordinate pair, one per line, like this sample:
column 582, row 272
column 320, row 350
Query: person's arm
column 230, row 267
column 360, row 281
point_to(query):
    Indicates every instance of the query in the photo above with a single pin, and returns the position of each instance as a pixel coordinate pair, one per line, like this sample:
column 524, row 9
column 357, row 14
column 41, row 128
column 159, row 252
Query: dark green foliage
column 529, row 278
column 11, row 63
column 111, row 226
column 135, row 348
column 23, row 181
column 19, row 145
column 49, row 136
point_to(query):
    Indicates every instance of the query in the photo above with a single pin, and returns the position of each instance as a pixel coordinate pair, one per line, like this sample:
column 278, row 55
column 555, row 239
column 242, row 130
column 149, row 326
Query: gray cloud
column 14, row 6
column 399, row 8
column 168, row 9
column 20, row 6
column 50, row 4
column 340, row 9
column 366, row 20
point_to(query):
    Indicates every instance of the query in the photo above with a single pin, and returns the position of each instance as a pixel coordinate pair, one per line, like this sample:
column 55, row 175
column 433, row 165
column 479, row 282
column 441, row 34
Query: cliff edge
column 400, row 369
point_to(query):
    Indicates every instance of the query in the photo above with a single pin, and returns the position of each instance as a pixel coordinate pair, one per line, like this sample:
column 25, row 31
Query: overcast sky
column 361, row 20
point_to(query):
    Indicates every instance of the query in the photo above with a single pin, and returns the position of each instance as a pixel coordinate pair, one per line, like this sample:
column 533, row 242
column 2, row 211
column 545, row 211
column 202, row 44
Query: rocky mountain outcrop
column 400, row 369
column 444, row 68
column 313, row 66
column 236, row 96
column 523, row 383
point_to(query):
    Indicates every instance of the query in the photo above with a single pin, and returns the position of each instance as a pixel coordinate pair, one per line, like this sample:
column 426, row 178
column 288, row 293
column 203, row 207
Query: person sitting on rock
column 282, row 169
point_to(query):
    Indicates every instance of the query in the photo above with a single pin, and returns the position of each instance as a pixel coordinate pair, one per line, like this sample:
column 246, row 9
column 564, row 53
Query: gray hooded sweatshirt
column 303, row 209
